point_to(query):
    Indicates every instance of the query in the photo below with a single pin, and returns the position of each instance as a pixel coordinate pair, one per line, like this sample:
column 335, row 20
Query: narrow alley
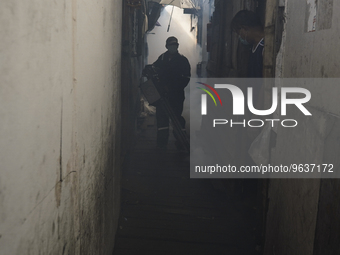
column 251, row 88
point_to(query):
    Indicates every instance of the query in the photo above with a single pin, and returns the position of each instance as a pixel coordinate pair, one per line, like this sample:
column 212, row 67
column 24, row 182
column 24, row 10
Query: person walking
column 174, row 73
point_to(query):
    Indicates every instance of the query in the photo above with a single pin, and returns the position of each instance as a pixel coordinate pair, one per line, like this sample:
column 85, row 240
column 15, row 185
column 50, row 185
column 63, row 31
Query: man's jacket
column 174, row 73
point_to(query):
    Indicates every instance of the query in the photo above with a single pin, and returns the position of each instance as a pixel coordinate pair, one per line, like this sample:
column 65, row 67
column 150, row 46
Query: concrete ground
column 165, row 212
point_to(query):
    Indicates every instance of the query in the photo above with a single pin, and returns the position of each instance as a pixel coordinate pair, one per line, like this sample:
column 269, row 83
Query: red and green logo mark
column 209, row 93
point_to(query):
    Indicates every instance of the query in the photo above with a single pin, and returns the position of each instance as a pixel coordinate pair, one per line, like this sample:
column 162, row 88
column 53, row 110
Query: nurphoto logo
column 238, row 105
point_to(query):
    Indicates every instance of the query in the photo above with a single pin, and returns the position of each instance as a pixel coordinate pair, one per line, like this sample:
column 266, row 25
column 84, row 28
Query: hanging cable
column 170, row 17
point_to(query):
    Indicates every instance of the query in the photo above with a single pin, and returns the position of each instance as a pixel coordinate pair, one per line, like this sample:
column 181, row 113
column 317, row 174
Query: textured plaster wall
column 59, row 114
column 297, row 218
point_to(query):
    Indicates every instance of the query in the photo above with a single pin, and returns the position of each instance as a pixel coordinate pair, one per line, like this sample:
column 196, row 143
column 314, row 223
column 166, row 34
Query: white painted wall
column 59, row 98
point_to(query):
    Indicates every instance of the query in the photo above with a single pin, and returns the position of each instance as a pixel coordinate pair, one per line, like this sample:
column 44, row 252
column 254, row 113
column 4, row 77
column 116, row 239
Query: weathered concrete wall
column 302, row 213
column 315, row 54
column 60, row 104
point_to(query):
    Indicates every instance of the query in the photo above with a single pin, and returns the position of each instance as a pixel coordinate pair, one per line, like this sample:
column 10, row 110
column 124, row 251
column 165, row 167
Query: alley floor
column 164, row 212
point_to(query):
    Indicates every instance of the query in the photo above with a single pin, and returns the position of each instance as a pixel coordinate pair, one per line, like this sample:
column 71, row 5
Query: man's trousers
column 163, row 121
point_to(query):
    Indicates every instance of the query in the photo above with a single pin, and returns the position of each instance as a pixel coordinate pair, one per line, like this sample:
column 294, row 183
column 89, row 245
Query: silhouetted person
column 250, row 30
column 174, row 73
